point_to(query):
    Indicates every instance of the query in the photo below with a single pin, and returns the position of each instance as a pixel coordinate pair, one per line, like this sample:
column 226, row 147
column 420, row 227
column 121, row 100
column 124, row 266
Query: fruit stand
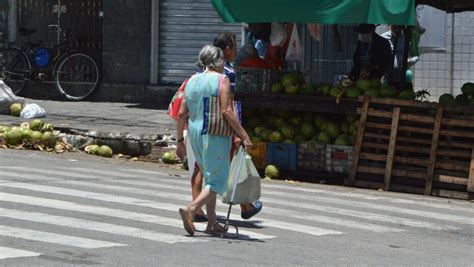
column 374, row 136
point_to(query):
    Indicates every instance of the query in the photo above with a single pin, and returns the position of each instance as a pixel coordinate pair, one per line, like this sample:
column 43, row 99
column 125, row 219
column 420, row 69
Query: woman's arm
column 182, row 117
column 228, row 113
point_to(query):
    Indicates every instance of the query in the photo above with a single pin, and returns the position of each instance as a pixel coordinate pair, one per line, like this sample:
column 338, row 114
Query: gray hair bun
column 211, row 56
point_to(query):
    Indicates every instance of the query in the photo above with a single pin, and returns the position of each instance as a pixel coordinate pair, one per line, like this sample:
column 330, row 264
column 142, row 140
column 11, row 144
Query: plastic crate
column 252, row 80
column 259, row 155
column 284, row 156
column 338, row 158
column 312, row 156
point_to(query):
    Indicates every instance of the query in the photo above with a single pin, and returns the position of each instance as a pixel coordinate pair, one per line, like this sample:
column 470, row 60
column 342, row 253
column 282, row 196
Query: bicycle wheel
column 77, row 76
column 15, row 67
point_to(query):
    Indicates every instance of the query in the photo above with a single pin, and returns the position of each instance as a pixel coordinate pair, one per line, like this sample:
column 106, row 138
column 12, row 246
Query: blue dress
column 212, row 152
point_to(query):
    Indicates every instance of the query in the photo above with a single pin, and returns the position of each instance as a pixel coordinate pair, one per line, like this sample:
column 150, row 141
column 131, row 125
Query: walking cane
column 236, row 181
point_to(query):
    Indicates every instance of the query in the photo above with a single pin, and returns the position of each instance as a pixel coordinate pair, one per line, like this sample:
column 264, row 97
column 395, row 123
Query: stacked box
column 259, row 154
column 312, row 156
column 338, row 158
column 284, row 156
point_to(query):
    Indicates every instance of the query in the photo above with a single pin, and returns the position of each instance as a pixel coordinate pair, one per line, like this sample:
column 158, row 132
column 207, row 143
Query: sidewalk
column 129, row 128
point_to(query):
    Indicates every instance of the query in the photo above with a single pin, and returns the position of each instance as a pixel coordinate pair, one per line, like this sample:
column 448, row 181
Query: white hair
column 212, row 57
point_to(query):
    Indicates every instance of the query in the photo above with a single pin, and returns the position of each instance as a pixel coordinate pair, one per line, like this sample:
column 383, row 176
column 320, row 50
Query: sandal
column 187, row 221
column 256, row 208
column 217, row 229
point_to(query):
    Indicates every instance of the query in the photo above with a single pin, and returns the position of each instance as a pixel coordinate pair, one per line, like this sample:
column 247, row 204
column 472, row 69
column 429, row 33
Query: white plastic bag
column 278, row 35
column 7, row 97
column 295, row 49
column 248, row 184
column 31, row 111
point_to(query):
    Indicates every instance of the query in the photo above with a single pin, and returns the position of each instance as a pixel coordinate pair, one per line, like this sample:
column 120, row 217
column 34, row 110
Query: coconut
column 353, row 92
column 277, row 88
column 15, row 109
column 271, row 171
column 308, row 130
column 276, row 137
column 94, row 149
column 48, row 139
column 105, row 151
column 26, row 133
column 447, row 99
column 407, row 95
column 169, row 157
column 4, row 129
column 48, row 127
column 14, row 137
column 35, row 136
column 324, row 138
column 36, row 125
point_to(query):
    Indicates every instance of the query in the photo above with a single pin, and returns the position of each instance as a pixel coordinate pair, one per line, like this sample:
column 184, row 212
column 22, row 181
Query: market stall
column 368, row 131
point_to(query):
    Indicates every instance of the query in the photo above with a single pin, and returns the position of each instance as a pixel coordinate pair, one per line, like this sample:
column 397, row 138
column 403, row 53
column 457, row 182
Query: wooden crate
column 413, row 147
column 259, row 155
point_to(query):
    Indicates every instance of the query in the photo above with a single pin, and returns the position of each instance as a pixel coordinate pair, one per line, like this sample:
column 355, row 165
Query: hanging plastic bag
column 248, row 184
column 279, row 34
column 295, row 49
column 175, row 104
column 31, row 111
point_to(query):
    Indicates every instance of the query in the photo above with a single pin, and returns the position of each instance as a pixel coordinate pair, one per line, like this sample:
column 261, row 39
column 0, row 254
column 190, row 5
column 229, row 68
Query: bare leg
column 204, row 197
column 196, row 185
column 188, row 212
column 211, row 213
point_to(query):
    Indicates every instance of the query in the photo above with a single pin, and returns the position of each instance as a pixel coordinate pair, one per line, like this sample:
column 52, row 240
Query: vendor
column 395, row 75
column 372, row 55
column 250, row 58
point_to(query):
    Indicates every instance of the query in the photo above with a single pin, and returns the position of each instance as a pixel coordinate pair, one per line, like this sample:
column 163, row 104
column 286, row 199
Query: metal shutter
column 185, row 27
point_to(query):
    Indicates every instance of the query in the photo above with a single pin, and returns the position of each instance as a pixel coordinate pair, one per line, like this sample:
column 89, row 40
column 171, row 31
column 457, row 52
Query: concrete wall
column 446, row 72
column 126, row 41
column 3, row 19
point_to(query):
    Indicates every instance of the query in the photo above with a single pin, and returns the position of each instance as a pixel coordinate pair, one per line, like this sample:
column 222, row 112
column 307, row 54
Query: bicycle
column 76, row 74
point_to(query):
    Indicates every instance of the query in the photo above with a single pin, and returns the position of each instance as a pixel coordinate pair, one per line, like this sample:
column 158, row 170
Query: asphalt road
column 74, row 209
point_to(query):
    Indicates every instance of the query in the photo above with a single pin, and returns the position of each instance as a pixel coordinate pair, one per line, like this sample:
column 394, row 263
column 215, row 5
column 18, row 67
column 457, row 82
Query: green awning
column 400, row 12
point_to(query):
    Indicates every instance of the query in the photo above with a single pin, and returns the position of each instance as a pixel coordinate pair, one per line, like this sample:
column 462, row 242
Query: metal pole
column 451, row 71
column 59, row 22
column 12, row 20
column 155, row 41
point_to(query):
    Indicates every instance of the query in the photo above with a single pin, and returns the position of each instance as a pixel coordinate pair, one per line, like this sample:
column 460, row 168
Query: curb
column 121, row 143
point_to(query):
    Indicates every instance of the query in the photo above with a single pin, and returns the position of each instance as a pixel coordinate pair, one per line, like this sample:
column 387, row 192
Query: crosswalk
column 85, row 208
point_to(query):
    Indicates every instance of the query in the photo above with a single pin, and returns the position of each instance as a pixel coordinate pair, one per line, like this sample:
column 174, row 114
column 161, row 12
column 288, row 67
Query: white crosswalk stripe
column 47, row 237
column 151, row 204
column 9, row 253
column 310, row 211
column 322, row 219
column 128, row 215
column 95, row 226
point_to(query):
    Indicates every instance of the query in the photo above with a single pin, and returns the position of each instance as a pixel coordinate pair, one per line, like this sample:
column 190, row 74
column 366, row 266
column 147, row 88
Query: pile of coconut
column 32, row 135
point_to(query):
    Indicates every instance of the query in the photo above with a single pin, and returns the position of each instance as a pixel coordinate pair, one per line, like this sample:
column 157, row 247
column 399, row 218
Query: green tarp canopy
column 400, row 12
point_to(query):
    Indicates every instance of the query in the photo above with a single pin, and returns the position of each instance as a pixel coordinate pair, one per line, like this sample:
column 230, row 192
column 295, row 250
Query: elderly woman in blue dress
column 212, row 152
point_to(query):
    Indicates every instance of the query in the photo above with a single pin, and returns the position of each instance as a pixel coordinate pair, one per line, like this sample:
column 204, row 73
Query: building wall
column 446, row 72
column 126, row 41
column 3, row 19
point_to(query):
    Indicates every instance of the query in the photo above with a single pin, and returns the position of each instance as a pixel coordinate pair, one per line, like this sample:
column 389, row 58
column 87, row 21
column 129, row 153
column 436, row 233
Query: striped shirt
column 230, row 73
